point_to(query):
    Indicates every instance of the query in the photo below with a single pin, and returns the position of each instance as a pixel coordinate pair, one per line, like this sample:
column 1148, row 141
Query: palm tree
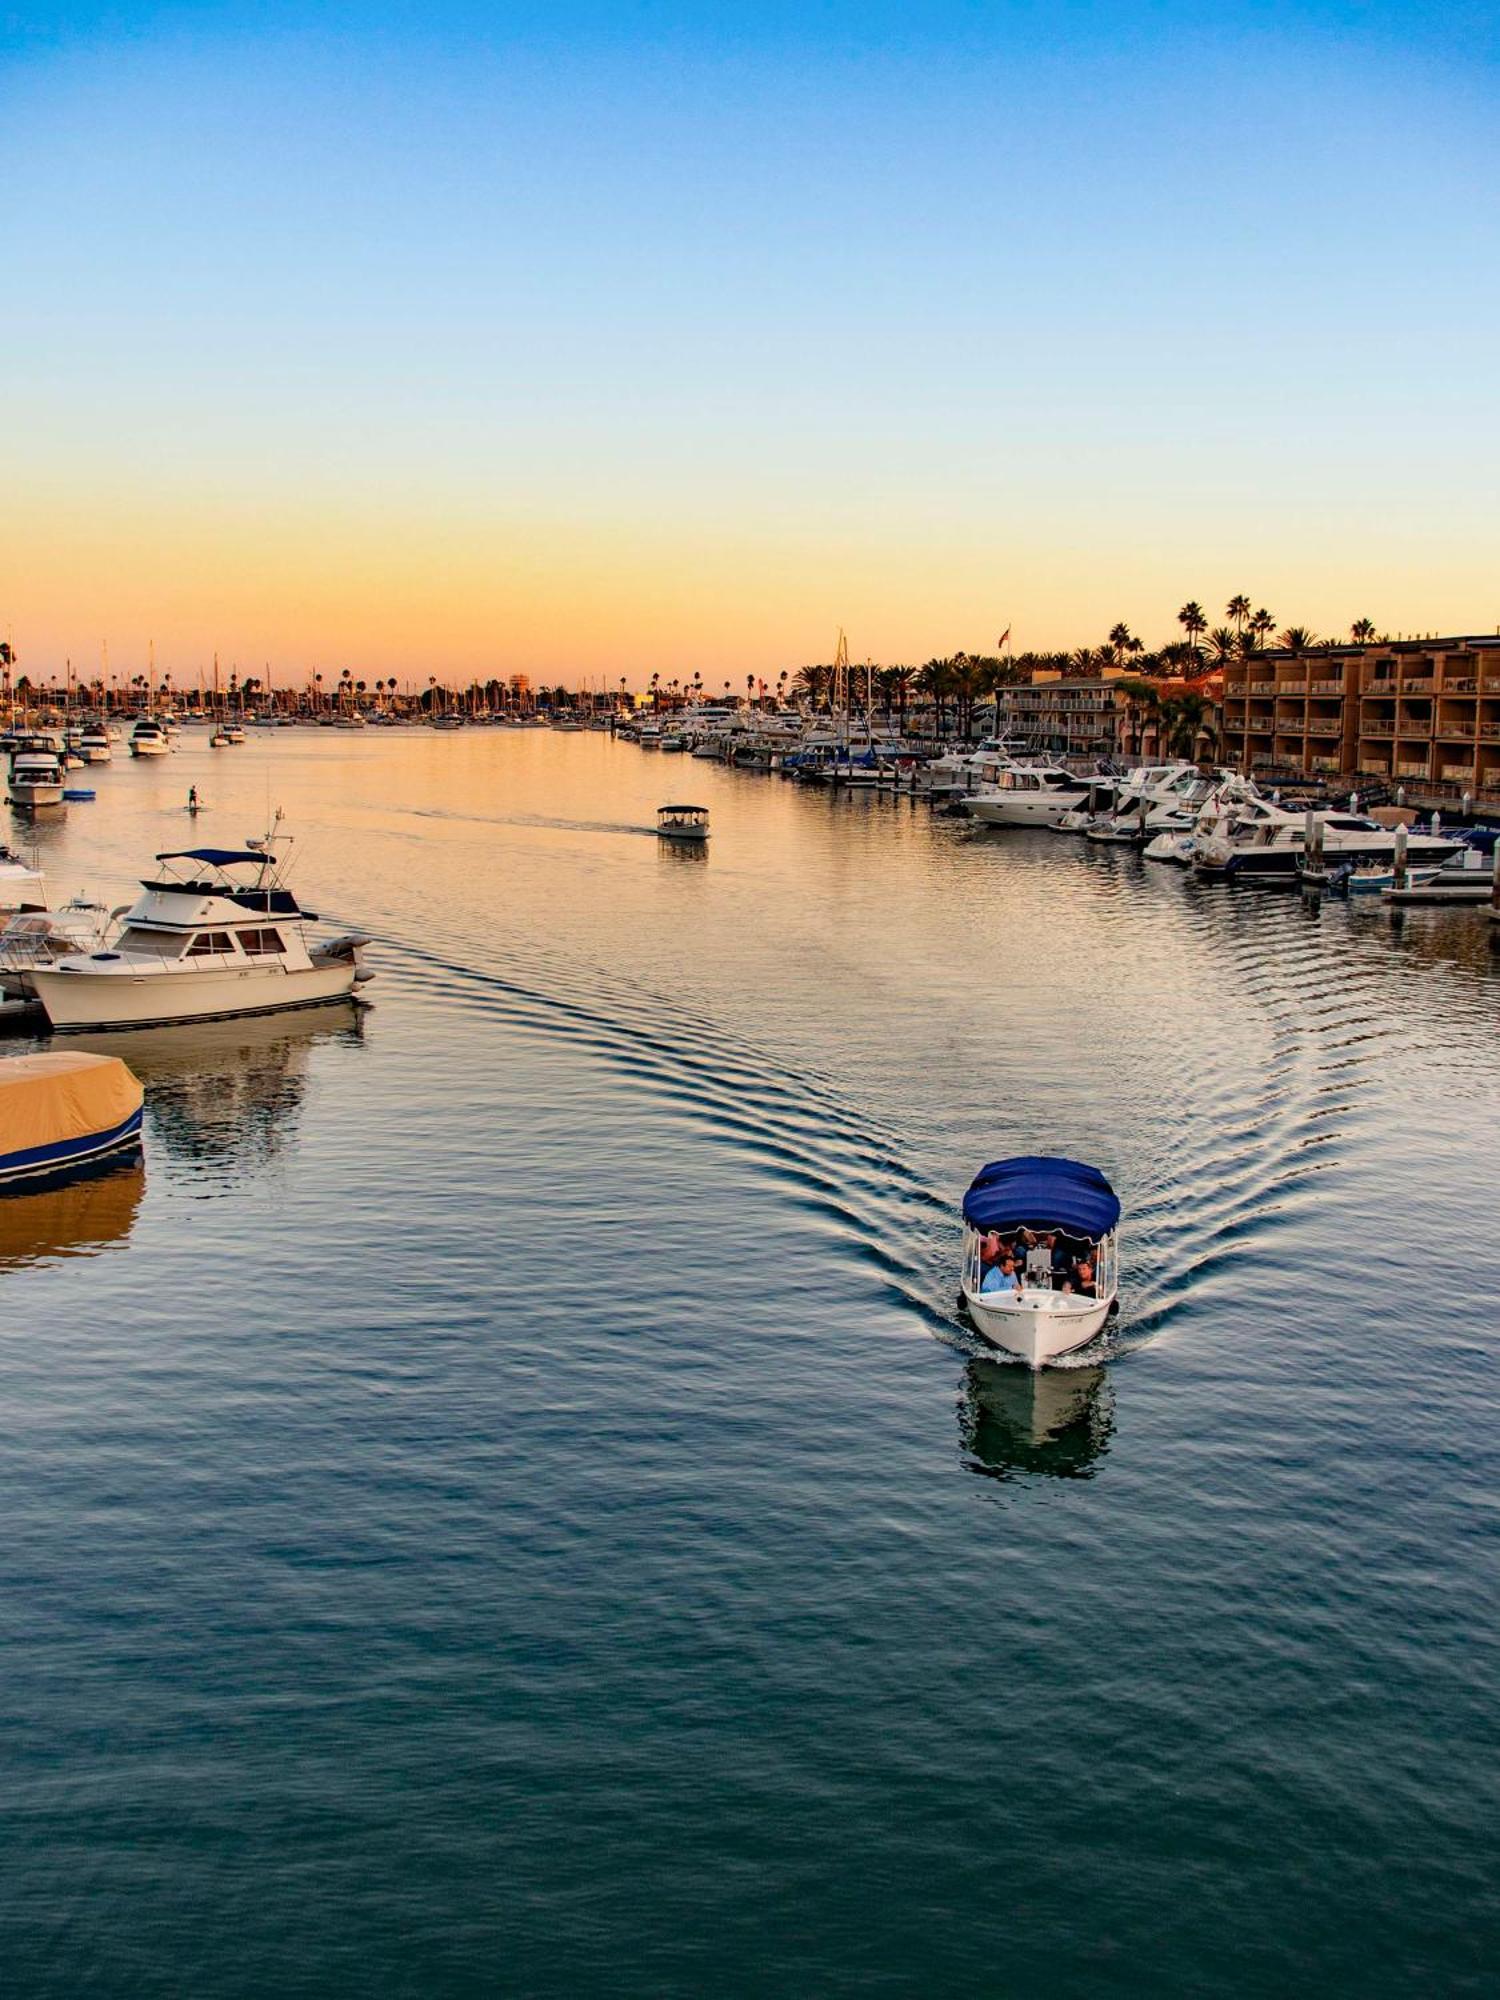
column 812, row 684
column 1181, row 723
column 935, row 681
column 1362, row 631
column 1262, row 624
column 1193, row 622
column 1225, row 644
column 1297, row 639
column 1238, row 608
column 1083, row 659
column 1122, row 643
column 1142, row 700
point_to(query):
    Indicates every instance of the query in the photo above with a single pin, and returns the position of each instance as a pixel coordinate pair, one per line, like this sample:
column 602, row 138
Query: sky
column 592, row 340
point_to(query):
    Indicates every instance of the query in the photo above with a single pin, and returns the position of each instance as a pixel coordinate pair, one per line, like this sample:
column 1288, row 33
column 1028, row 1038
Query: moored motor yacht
column 1260, row 841
column 149, row 739
column 1064, row 1304
column 1027, row 795
column 217, row 932
column 34, row 940
column 93, row 744
column 37, row 774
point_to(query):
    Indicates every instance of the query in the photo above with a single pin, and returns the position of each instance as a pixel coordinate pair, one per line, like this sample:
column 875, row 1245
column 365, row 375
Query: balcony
column 1269, row 687
column 1325, row 763
column 1291, row 687
column 1378, row 729
column 1322, row 725
column 1411, row 770
column 1452, row 729
column 1325, row 687
column 1455, row 774
column 1423, row 684
column 1461, row 684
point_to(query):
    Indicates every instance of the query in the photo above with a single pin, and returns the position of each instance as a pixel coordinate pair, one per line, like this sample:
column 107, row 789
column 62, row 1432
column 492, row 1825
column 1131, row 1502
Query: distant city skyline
column 621, row 340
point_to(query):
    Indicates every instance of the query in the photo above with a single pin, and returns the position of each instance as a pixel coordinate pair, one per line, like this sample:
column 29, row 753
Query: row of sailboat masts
column 841, row 690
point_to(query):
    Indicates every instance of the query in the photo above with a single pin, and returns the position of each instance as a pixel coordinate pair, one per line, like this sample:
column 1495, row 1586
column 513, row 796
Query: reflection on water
column 227, row 1094
column 76, row 1218
column 1057, row 1421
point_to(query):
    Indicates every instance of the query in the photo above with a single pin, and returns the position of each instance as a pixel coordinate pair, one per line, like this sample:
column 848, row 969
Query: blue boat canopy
column 1035, row 1192
column 216, row 857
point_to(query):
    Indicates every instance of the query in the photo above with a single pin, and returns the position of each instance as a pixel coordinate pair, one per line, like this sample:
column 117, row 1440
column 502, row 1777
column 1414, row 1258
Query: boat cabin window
column 260, row 944
column 209, row 944
column 145, row 937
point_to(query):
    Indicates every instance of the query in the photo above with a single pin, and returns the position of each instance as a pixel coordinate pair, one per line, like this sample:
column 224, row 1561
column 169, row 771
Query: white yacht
column 34, row 940
column 94, row 744
column 1038, row 795
column 1063, row 1304
column 217, row 932
column 1259, row 841
column 21, row 885
column 1168, row 805
column 149, row 739
column 37, row 774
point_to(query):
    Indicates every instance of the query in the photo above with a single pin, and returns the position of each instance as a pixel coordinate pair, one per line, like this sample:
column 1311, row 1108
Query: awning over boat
column 216, row 857
column 50, row 1103
column 1035, row 1192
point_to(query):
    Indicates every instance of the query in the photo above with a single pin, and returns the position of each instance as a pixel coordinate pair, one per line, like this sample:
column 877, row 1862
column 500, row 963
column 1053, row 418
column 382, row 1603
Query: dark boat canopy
column 217, row 857
column 681, row 809
column 1035, row 1192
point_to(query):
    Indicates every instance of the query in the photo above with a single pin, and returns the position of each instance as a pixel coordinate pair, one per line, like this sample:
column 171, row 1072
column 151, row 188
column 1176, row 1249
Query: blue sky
column 663, row 333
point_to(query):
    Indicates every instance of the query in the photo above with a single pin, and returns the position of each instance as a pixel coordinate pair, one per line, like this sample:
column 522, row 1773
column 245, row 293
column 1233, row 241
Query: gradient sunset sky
column 597, row 339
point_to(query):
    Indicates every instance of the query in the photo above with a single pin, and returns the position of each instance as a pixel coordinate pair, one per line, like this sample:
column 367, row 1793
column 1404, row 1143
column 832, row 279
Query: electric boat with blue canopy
column 1041, row 1255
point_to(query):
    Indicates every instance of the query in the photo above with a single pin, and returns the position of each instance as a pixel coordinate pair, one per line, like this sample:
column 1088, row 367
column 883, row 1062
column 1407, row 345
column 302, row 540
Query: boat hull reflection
column 227, row 1094
column 80, row 1217
column 1054, row 1422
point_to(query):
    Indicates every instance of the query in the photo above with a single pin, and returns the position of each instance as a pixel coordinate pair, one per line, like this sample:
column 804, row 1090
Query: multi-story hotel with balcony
column 1423, row 713
column 1064, row 718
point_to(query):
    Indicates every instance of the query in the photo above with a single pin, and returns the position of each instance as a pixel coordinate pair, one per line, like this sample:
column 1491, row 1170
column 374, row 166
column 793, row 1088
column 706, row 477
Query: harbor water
column 503, row 1501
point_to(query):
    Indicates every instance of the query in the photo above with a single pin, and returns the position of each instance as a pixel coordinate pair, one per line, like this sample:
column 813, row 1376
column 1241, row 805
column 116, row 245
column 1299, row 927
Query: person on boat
column 1039, row 1257
column 991, row 1251
column 1062, row 1261
column 1082, row 1280
column 1001, row 1278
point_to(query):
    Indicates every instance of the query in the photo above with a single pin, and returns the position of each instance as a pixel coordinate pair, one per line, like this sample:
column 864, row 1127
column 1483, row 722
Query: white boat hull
column 145, row 999
column 1037, row 1325
column 1019, row 810
column 149, row 749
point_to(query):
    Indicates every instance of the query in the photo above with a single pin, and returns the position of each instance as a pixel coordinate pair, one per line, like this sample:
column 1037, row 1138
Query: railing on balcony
column 1269, row 687
column 1411, row 770
column 1464, row 728
column 1460, row 684
column 1325, row 763
column 1422, row 684
column 1325, row 687
column 1455, row 773
column 1322, row 725
column 1490, row 729
column 1378, row 729
column 1291, row 687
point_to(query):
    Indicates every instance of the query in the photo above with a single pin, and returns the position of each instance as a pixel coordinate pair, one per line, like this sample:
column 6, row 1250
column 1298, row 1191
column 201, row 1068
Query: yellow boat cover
column 48, row 1099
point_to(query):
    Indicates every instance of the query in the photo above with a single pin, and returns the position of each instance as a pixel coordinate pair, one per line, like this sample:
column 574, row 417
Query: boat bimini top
column 1035, row 1191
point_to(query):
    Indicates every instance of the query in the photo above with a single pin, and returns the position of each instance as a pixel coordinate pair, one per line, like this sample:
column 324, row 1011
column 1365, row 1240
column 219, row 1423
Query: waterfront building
column 1420, row 713
column 1064, row 718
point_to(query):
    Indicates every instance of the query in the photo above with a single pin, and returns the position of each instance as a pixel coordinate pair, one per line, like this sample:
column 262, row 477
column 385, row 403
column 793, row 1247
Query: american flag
column 1004, row 640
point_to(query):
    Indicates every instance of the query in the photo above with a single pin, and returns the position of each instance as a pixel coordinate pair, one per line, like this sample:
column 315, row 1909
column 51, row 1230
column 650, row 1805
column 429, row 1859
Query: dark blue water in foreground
column 503, row 1505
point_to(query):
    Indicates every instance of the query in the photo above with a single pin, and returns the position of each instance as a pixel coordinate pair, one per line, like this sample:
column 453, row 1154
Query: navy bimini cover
column 1034, row 1192
column 216, row 857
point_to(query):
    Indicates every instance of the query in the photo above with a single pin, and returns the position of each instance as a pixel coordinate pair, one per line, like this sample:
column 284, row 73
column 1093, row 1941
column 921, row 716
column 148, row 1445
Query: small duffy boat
column 61, row 1113
column 1033, row 1195
column 682, row 822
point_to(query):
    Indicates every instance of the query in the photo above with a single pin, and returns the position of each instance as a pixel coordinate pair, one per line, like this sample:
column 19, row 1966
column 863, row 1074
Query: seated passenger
column 1083, row 1275
column 1002, row 1278
column 1039, row 1258
column 1062, row 1260
column 991, row 1250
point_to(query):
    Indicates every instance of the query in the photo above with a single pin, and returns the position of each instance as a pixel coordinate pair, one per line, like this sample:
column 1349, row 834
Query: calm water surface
column 503, row 1503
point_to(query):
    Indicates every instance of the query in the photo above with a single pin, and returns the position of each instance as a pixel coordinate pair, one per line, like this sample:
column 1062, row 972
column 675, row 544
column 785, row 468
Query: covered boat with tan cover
column 63, row 1111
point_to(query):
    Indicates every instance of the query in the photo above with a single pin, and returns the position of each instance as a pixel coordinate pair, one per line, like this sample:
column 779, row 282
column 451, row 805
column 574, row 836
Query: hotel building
column 1423, row 713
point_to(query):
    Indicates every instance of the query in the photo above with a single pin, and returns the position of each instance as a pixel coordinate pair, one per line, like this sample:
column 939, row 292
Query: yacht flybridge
column 217, row 932
column 1041, row 1260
